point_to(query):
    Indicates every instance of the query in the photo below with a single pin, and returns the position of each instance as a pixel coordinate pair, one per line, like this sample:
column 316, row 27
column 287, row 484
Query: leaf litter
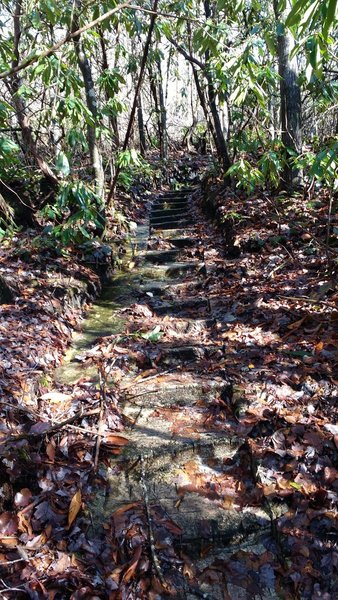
column 267, row 329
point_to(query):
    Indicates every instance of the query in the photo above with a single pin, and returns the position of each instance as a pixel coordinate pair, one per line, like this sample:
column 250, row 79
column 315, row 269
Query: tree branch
column 31, row 60
column 186, row 54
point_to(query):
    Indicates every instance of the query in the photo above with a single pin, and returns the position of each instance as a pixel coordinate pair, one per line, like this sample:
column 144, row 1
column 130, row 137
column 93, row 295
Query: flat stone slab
column 168, row 205
column 168, row 212
column 183, row 242
column 176, row 224
column 179, row 389
column 161, row 256
column 180, row 308
column 169, row 218
column 171, row 270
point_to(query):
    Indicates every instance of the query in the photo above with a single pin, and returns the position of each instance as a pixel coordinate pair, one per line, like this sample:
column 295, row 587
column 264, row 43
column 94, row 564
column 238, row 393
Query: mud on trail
column 204, row 465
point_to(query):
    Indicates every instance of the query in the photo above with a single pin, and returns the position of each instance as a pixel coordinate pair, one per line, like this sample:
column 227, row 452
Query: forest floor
column 199, row 460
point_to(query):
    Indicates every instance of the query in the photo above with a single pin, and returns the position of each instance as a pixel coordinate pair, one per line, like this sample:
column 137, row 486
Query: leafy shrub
column 75, row 215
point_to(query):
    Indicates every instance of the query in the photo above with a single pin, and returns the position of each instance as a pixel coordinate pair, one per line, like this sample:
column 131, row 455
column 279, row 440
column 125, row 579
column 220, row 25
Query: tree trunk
column 220, row 142
column 29, row 144
column 112, row 118
column 141, row 128
column 154, row 93
column 137, row 92
column 85, row 68
column 163, row 114
column 290, row 98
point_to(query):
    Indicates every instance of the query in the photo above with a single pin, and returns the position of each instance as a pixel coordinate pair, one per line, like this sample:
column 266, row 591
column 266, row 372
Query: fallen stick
column 155, row 561
column 308, row 300
column 54, row 427
column 103, row 401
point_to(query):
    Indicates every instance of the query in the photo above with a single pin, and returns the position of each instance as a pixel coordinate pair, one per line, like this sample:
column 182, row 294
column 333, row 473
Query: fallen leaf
column 74, row 507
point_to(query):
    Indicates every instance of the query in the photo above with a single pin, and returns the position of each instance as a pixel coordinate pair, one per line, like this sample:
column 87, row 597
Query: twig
column 189, row 362
column 278, row 268
column 308, row 300
column 54, row 427
column 155, row 561
column 103, row 401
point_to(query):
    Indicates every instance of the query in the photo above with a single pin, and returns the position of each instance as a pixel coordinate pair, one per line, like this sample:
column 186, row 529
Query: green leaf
column 295, row 485
column 154, row 335
column 62, row 164
column 330, row 17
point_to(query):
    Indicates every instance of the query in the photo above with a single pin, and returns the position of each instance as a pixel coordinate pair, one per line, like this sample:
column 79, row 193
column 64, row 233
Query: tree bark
column 163, row 114
column 112, row 118
column 141, row 128
column 290, row 98
column 137, row 92
column 29, row 146
column 91, row 100
column 220, row 142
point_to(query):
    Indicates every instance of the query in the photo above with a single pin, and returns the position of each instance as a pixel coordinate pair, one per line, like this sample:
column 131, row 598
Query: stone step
column 182, row 192
column 158, row 257
column 168, row 218
column 168, row 212
column 184, row 242
column 180, row 308
column 178, row 388
column 169, row 234
column 167, row 204
column 178, row 224
column 172, row 270
column 206, row 515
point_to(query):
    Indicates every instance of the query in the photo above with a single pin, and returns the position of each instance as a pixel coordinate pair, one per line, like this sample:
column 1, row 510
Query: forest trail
column 186, row 467
column 187, row 447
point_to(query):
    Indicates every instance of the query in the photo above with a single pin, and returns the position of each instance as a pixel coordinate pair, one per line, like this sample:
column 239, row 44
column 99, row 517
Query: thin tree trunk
column 220, row 141
column 91, row 100
column 153, row 90
column 163, row 114
column 112, row 118
column 137, row 92
column 141, row 128
column 29, row 142
column 203, row 103
column 290, row 97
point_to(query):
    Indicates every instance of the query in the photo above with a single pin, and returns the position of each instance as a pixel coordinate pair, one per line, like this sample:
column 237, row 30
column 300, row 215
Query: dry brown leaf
column 128, row 575
column 74, row 507
column 115, row 440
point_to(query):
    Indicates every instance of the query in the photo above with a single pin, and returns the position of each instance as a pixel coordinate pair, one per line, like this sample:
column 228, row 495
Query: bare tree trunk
column 112, row 118
column 203, row 103
column 29, row 143
column 163, row 114
column 137, row 92
column 220, row 141
column 85, row 68
column 141, row 128
column 153, row 90
column 290, row 97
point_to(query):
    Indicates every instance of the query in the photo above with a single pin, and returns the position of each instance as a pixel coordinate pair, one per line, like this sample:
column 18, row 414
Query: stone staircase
column 177, row 450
